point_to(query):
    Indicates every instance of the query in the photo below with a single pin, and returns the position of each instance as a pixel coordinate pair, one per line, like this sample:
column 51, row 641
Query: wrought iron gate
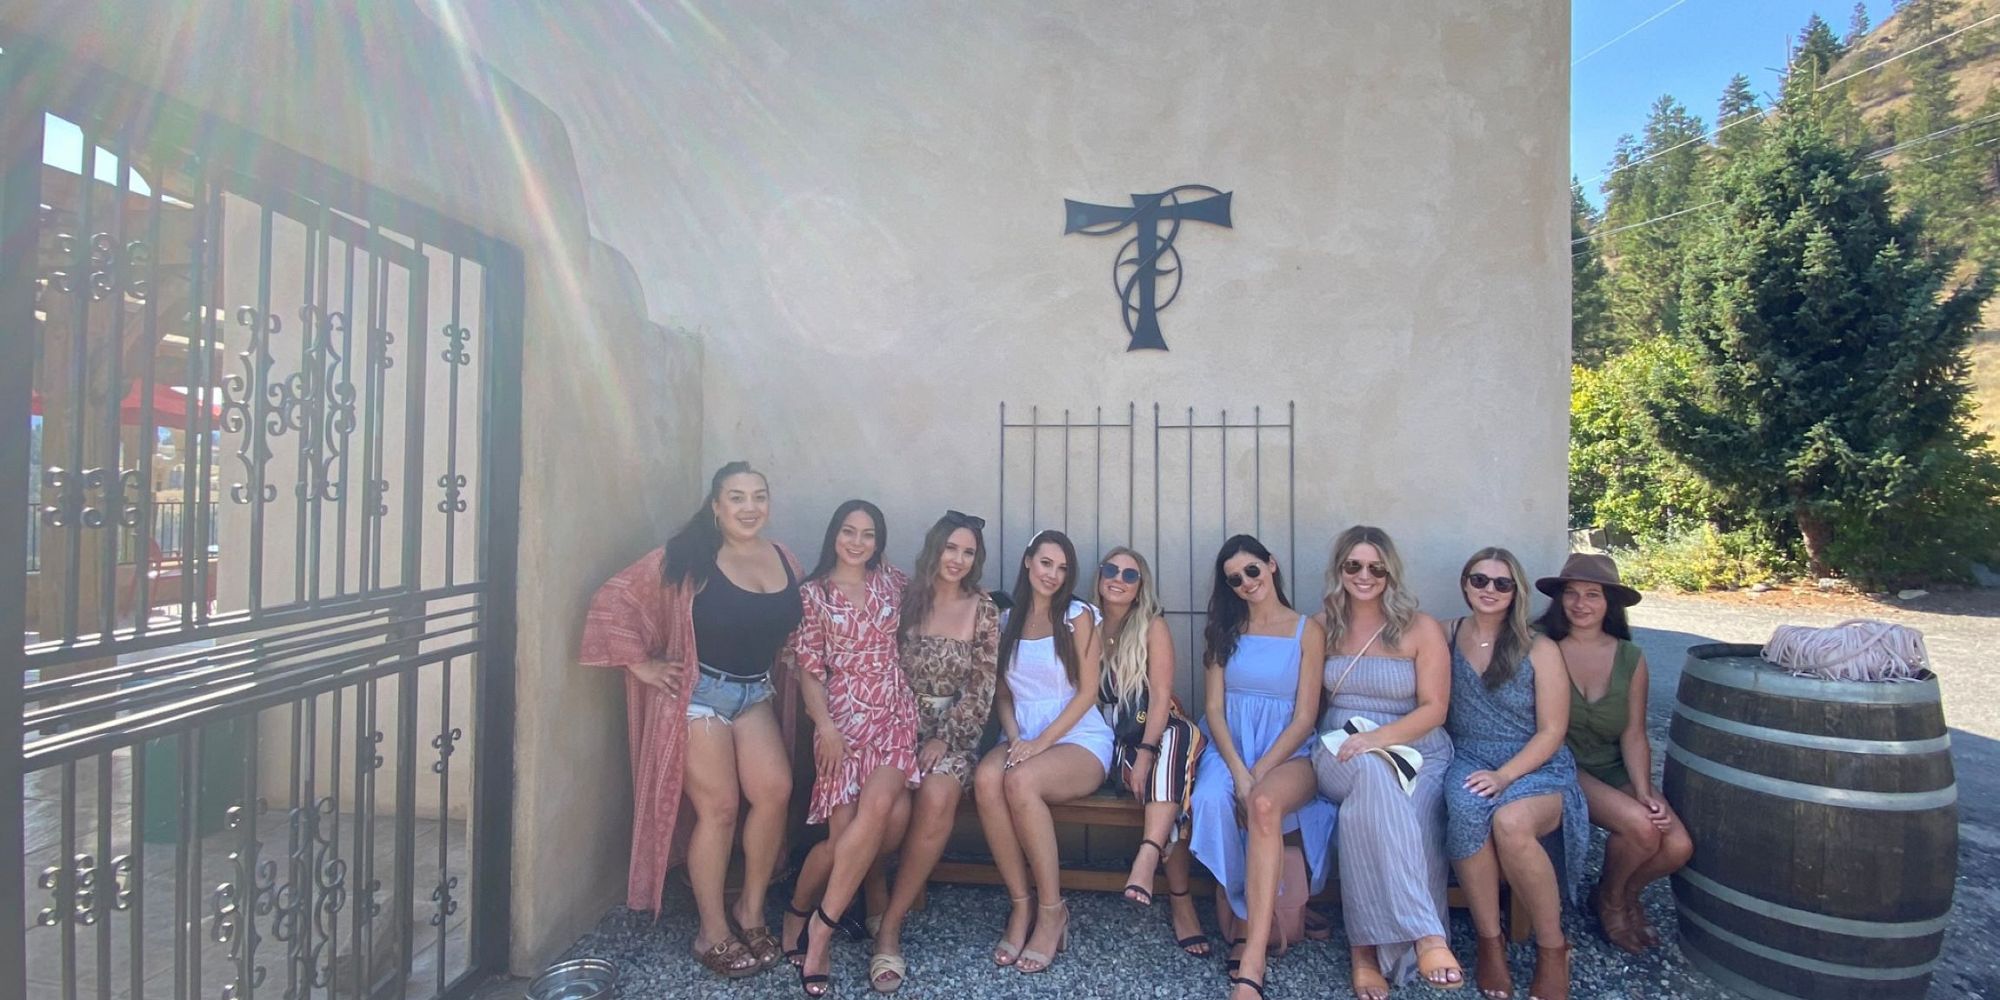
column 1193, row 484
column 262, row 750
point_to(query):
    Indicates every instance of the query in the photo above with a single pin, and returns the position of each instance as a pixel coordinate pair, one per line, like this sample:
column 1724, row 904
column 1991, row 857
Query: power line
column 1648, row 222
column 1627, row 31
column 1766, row 112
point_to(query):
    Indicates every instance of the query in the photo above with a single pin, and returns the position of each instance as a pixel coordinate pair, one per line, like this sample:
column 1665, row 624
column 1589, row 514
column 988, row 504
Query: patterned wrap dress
column 953, row 682
column 1260, row 687
column 1487, row 729
column 1391, row 844
column 852, row 650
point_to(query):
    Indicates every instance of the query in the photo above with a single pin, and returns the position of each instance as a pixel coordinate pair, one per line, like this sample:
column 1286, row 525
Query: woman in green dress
column 1607, row 733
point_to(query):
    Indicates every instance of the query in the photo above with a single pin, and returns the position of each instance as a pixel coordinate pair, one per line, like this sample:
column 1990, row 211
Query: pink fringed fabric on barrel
column 634, row 618
column 1859, row 649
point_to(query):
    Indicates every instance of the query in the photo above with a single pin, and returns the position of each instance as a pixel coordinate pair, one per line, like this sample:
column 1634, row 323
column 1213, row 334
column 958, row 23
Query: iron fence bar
column 250, row 695
column 187, row 920
column 404, row 900
column 72, row 487
column 309, row 389
column 334, row 759
column 370, row 524
column 112, row 473
column 104, row 884
column 363, row 897
column 265, row 327
column 136, row 921
column 246, row 812
column 64, row 911
column 347, row 426
column 324, row 326
column 454, row 357
column 414, row 379
column 199, row 457
column 442, row 894
column 148, row 422
column 1000, row 512
column 20, row 210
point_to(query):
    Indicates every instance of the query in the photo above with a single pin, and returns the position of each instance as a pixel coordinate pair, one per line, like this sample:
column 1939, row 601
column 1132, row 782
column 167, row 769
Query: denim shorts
column 724, row 700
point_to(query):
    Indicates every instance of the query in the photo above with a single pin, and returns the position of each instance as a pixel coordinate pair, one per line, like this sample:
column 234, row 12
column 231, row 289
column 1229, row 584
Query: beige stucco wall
column 610, row 399
column 861, row 206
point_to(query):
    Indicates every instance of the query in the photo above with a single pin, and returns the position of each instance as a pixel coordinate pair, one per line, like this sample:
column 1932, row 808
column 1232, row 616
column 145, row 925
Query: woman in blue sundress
column 1255, row 781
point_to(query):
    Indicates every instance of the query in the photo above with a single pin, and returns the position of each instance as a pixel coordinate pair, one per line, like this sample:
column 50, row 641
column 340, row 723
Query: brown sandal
column 1551, row 981
column 729, row 959
column 1617, row 923
column 1369, row 983
column 764, row 946
column 1490, row 972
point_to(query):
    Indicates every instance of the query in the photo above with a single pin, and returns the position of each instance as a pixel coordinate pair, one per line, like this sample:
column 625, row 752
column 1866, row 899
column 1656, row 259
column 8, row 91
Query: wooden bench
column 1108, row 808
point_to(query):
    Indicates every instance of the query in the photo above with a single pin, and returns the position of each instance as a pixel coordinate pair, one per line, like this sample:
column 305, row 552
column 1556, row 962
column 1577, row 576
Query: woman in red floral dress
column 864, row 717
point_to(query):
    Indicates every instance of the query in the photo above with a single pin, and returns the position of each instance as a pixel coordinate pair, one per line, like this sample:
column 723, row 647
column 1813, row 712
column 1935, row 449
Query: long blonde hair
column 1399, row 606
column 1125, row 646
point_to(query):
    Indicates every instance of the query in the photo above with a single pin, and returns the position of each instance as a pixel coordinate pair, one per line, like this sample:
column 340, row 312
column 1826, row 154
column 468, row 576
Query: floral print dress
column 852, row 650
column 953, row 681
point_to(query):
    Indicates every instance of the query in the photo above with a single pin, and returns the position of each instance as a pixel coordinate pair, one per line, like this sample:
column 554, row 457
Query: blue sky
column 1690, row 51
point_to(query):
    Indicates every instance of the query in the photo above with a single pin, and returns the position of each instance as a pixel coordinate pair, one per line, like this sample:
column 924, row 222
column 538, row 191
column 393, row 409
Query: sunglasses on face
column 1250, row 572
column 1111, row 572
column 1354, row 567
column 1480, row 581
column 963, row 520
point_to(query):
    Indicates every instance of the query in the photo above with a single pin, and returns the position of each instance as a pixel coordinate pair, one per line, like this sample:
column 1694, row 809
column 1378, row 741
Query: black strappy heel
column 1145, row 895
column 822, row 980
column 797, row 954
column 1191, row 942
column 1235, row 981
column 1232, row 964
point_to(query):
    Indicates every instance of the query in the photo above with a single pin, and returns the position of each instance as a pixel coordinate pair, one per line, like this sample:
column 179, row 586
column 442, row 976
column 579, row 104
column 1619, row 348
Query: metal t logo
column 1149, row 255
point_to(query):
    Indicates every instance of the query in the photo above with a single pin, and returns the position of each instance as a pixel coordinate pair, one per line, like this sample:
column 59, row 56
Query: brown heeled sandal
column 1551, row 981
column 1617, row 923
column 1489, row 969
column 1368, row 981
column 729, row 959
column 1431, row 969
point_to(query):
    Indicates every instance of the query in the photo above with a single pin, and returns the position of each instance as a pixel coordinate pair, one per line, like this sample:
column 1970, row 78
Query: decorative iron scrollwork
column 454, row 499
column 326, row 441
column 378, row 490
column 99, row 265
column 235, row 905
column 447, row 904
column 445, row 744
column 379, row 342
column 454, row 353
column 237, row 397
column 67, row 492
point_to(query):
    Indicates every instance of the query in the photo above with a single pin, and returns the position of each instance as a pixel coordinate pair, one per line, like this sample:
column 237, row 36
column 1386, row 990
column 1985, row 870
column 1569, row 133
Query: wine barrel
column 1825, row 824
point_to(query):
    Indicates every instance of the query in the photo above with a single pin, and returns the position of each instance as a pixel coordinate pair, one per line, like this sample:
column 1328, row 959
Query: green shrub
column 1943, row 523
column 1620, row 478
column 1702, row 558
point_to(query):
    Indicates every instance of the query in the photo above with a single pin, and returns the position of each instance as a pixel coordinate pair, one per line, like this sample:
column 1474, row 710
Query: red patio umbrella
column 170, row 407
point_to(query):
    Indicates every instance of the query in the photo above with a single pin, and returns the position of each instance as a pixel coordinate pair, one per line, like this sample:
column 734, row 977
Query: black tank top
column 740, row 631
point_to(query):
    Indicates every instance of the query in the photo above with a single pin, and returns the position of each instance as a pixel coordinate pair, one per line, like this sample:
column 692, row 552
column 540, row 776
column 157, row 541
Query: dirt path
column 1962, row 632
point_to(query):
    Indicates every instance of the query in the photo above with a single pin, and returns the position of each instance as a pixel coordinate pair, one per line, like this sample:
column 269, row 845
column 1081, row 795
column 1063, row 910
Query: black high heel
column 1235, row 981
column 1232, row 964
column 1145, row 895
column 807, row 981
column 1191, row 942
column 797, row 954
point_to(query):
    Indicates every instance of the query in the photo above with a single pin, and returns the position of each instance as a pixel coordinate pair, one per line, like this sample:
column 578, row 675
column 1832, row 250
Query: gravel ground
column 1118, row 951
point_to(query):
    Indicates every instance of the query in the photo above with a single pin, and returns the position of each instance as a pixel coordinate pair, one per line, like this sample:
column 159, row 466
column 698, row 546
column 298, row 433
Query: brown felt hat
column 1589, row 567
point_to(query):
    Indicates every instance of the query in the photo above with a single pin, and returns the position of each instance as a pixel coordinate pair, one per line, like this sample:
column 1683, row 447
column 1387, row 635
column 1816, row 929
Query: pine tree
column 1809, row 79
column 1936, row 174
column 1830, row 360
column 1737, row 118
column 1818, row 50
column 1589, row 304
column 1653, row 181
column 1857, row 25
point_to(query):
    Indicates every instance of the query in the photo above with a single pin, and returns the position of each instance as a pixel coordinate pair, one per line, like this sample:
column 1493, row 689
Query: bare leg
column 1281, row 793
column 806, row 890
column 712, row 788
column 1060, row 773
column 932, row 811
column 855, row 849
column 1159, row 825
column 1187, row 924
column 1518, row 828
column 766, row 777
column 998, row 825
column 1479, row 879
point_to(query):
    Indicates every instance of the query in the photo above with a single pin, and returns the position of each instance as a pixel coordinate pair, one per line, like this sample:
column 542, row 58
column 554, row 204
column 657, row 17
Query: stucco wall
column 861, row 205
column 610, row 399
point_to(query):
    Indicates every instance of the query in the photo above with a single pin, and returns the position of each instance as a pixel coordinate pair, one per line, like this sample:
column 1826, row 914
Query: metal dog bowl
column 576, row 979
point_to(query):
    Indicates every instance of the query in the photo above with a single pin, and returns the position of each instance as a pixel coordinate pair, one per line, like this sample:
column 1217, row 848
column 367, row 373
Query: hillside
column 1974, row 61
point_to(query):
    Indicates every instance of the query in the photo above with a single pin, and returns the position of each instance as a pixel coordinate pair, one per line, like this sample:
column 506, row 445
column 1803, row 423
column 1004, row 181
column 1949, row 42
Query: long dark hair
column 690, row 557
column 1511, row 646
column 828, row 558
column 1554, row 622
column 922, row 586
column 1024, row 598
column 1228, row 613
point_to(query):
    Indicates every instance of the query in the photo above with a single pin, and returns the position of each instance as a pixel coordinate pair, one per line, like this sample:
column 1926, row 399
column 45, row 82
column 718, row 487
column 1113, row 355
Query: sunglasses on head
column 1110, row 571
column 964, row 520
column 1354, row 567
column 1480, row 581
column 1250, row 572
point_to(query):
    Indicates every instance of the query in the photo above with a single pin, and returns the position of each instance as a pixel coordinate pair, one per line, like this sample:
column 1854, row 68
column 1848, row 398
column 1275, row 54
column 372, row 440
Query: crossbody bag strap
column 1352, row 660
